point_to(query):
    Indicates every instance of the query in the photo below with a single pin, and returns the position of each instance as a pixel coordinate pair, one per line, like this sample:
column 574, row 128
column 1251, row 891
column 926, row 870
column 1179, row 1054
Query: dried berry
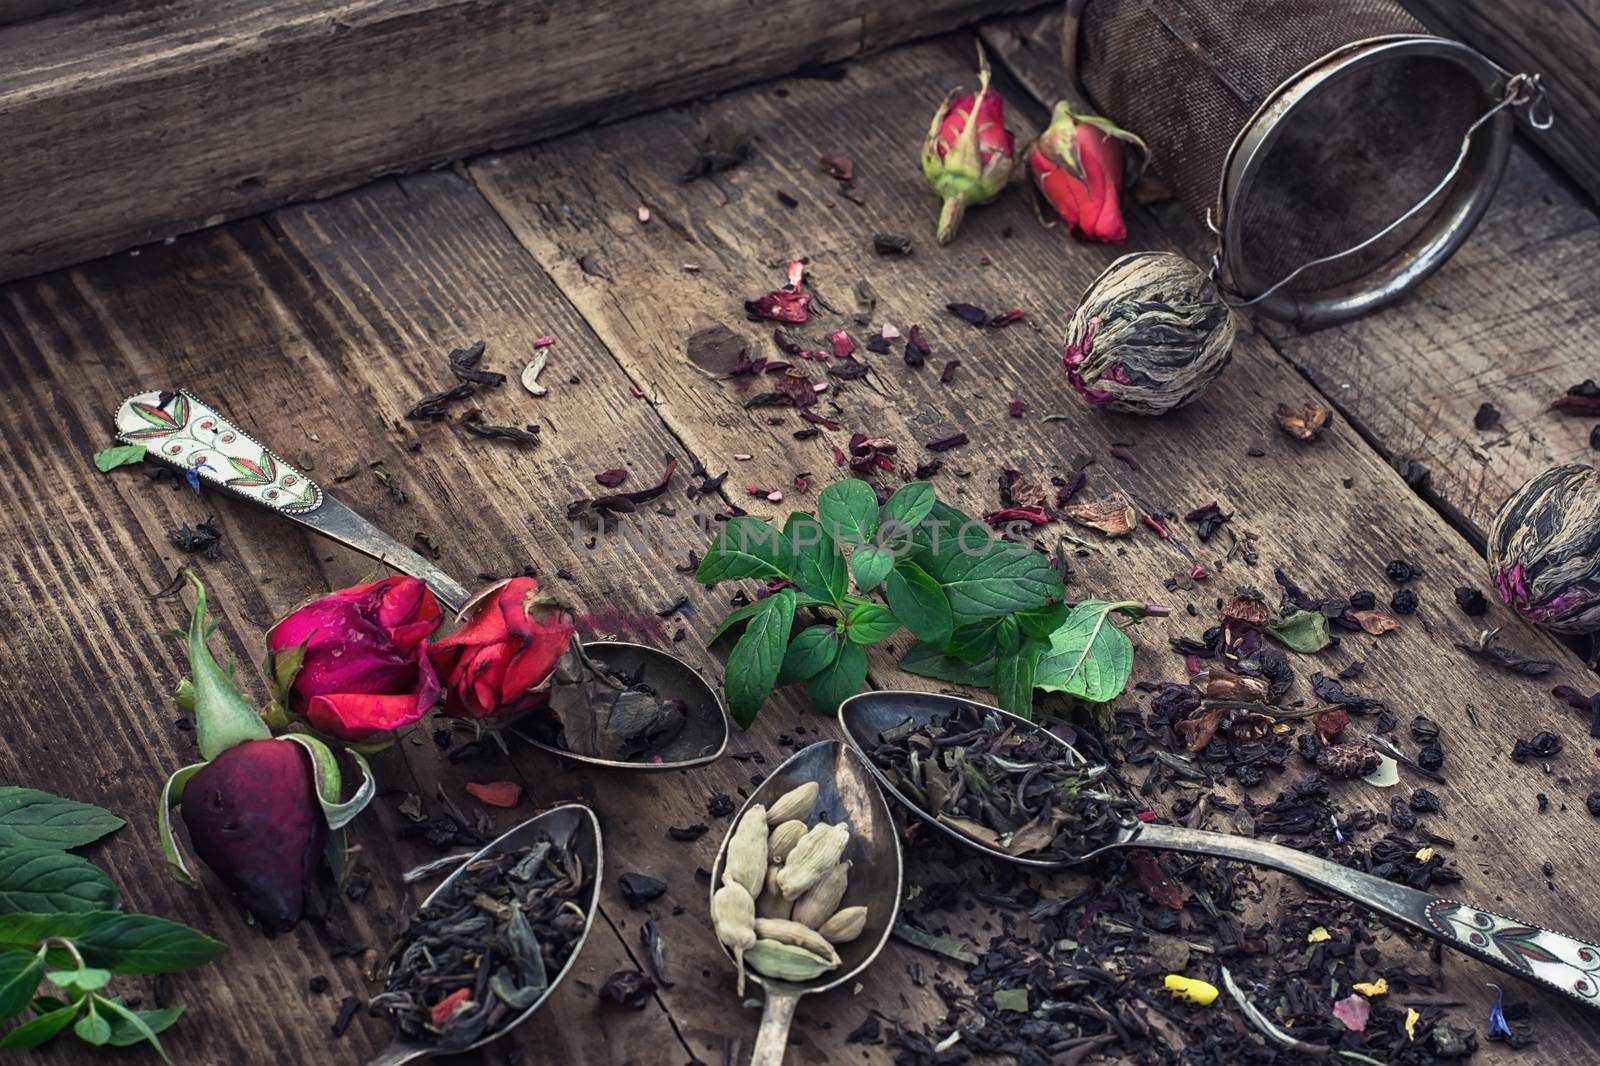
column 1488, row 417
column 1149, row 335
column 1400, row 815
column 1593, row 803
column 1363, row 601
column 1404, row 601
column 1425, row 802
column 1424, row 730
column 1471, row 601
column 1544, row 549
column 1431, row 757
column 1355, row 759
column 1401, row 571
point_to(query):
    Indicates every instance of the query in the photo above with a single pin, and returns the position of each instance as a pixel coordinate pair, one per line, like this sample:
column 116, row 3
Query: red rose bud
column 498, row 663
column 1078, row 166
column 969, row 153
column 355, row 663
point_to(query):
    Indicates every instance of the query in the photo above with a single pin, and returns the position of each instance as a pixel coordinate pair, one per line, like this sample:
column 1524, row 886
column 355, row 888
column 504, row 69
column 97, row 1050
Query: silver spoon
column 1557, row 961
column 848, row 794
column 572, row 824
column 185, row 433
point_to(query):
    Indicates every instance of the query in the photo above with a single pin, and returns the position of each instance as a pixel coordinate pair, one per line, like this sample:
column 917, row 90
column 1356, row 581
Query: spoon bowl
column 571, row 824
column 704, row 736
column 847, row 794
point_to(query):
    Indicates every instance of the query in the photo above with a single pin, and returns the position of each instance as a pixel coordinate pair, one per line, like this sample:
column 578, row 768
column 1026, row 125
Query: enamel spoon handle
column 1555, row 960
column 186, row 434
column 772, row 1039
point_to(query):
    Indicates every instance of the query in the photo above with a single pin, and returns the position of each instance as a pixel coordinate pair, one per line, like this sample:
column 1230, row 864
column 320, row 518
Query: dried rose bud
column 1077, row 164
column 1544, row 549
column 969, row 153
column 1355, row 759
column 1149, row 335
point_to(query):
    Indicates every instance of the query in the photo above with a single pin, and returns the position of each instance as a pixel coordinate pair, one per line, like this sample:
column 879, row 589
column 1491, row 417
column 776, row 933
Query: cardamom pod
column 787, row 932
column 794, row 805
column 784, row 838
column 771, row 904
column 822, row 899
column 746, row 861
column 785, row 962
column 816, row 854
column 733, row 916
column 844, row 926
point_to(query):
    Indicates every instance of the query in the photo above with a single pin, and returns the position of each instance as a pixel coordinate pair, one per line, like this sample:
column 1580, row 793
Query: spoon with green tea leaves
column 489, row 945
column 1014, row 791
column 806, row 886
column 623, row 728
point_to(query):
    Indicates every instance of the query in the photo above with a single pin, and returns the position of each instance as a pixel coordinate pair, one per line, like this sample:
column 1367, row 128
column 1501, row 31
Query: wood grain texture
column 1511, row 319
column 1332, row 514
column 1559, row 41
column 135, row 122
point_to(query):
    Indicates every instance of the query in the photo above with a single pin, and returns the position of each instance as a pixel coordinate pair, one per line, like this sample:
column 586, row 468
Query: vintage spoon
column 1555, row 960
column 572, row 824
column 189, row 435
column 848, row 793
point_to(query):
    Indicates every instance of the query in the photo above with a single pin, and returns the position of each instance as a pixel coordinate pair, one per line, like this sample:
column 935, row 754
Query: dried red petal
column 780, row 305
column 1248, row 608
column 495, row 793
column 1038, row 517
column 1197, row 732
column 948, row 373
column 824, row 422
column 838, row 166
column 612, row 478
column 944, row 444
column 1014, row 408
column 844, row 345
column 446, row 1007
column 1152, row 878
column 1005, row 319
column 1330, row 724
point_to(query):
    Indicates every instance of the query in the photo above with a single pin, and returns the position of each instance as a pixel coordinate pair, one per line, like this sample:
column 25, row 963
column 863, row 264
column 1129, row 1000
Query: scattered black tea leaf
column 721, row 150
column 944, row 444
column 473, row 423
column 1544, row 745
column 1487, row 649
column 640, row 889
column 432, row 407
column 464, row 365
column 1487, row 417
column 628, row 988
column 972, row 316
column 656, row 950
column 605, row 715
column 891, row 244
column 204, row 537
column 688, row 832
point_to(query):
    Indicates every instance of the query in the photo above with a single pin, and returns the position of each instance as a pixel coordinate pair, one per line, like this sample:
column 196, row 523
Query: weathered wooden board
column 130, row 122
column 1331, row 514
column 1560, row 42
column 1509, row 320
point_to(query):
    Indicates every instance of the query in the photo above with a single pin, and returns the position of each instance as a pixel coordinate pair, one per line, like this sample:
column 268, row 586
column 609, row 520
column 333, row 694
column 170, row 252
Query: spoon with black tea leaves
column 571, row 828
column 183, row 432
column 1557, row 961
column 847, row 793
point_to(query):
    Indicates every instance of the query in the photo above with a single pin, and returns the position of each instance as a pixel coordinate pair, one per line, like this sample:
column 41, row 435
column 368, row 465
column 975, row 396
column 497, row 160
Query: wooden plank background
column 317, row 325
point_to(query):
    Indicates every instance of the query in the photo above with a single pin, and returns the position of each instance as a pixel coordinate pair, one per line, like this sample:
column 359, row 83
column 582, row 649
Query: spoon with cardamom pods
column 1014, row 791
column 806, row 885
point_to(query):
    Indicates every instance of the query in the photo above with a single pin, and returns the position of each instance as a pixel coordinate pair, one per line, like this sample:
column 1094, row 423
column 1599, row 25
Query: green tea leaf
column 910, row 504
column 45, row 880
column 819, row 568
column 811, row 650
column 1008, row 578
column 93, row 1029
column 125, row 455
column 929, row 660
column 870, row 566
column 870, row 623
column 31, row 1034
column 31, row 818
column 142, row 943
column 123, row 1032
column 1014, row 675
column 755, row 660
column 840, row 679
column 1089, row 657
column 20, row 973
column 746, row 547
column 1304, row 631
column 848, row 510
column 134, row 1020
column 918, row 601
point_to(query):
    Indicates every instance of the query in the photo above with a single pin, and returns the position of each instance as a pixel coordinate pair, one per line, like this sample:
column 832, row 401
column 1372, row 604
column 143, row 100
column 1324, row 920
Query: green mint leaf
column 44, row 880
column 870, row 623
column 848, row 510
column 85, row 979
column 1039, row 624
column 918, row 601
column 735, row 617
column 93, row 1029
column 126, row 455
column 976, row 640
column 135, row 1020
column 813, row 648
column 870, row 566
column 818, row 568
column 20, row 973
column 142, row 943
column 1013, row 678
column 755, row 660
column 1008, row 635
column 1303, row 631
column 746, row 547
column 26, row 930
column 942, row 535
column 30, row 818
column 910, row 504
column 1089, row 657
column 123, row 1032
column 928, row 660
column 31, row 1034
column 839, row 680
column 1005, row 579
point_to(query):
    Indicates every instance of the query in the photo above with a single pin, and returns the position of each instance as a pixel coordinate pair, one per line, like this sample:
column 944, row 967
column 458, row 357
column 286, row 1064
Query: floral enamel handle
column 1555, row 960
column 185, row 433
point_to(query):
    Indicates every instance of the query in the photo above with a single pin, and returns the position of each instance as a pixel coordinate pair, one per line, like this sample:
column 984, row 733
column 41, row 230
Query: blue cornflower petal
column 1497, row 1014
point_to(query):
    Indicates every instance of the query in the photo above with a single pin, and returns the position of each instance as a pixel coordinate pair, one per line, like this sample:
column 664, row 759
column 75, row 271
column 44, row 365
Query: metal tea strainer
column 1339, row 152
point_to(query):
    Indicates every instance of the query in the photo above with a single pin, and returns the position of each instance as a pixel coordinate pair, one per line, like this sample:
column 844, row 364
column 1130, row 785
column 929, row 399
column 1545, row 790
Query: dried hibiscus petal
column 1151, row 877
column 1303, row 423
column 944, row 444
column 972, row 316
column 1581, row 399
column 1113, row 516
column 612, row 478
column 495, row 793
column 780, row 305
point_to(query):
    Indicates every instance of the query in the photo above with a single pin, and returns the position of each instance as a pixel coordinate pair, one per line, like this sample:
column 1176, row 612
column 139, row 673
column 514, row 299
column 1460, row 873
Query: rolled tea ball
column 1544, row 549
column 1149, row 335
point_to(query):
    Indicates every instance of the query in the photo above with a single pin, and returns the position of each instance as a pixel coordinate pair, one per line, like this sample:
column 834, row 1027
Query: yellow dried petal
column 1424, row 854
column 1372, row 988
column 1412, row 1018
column 1318, row 935
column 1191, row 990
